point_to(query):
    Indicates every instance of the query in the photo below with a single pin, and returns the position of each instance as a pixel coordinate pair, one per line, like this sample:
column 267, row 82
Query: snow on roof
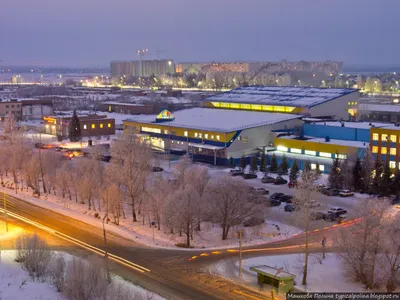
column 356, row 144
column 358, row 125
column 219, row 120
column 379, row 107
column 284, row 96
column 122, row 103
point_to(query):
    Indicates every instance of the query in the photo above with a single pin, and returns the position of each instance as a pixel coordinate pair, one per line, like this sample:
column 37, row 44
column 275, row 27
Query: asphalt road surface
column 174, row 274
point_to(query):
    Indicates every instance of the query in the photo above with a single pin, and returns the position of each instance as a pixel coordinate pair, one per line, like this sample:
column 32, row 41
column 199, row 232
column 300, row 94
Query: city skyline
column 90, row 34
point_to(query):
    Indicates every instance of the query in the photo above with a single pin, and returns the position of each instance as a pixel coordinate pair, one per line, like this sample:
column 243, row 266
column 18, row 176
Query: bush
column 85, row 280
column 182, row 245
column 34, row 254
column 253, row 221
column 57, row 273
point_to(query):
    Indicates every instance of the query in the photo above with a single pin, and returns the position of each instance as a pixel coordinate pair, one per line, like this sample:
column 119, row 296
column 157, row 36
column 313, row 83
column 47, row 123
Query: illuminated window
column 393, row 138
column 149, row 129
column 384, row 137
column 321, row 168
column 185, row 133
column 109, row 108
column 325, row 154
column 93, row 126
column 84, row 126
column 375, row 149
column 109, row 125
column 375, row 137
column 200, row 135
column 341, row 156
column 348, row 103
column 313, row 166
column 383, row 150
column 294, row 150
column 393, row 151
column 212, row 137
column 355, row 103
column 217, row 137
column 206, row 136
column 196, row 134
column 281, row 148
column 392, row 164
column 309, row 152
column 101, row 125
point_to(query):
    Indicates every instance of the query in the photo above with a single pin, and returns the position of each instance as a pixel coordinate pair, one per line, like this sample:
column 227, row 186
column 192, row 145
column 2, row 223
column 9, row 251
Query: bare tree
column 85, row 280
column 305, row 193
column 57, row 273
column 360, row 244
column 368, row 166
column 34, row 254
column 131, row 160
column 230, row 203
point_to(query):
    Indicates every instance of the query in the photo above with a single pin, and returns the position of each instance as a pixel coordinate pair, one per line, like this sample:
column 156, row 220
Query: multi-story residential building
column 10, row 106
column 36, row 109
column 144, row 68
column 121, row 68
column 385, row 144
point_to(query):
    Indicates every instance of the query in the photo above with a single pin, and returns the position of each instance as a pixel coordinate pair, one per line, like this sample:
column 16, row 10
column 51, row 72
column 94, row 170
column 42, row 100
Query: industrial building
column 313, row 102
column 244, row 121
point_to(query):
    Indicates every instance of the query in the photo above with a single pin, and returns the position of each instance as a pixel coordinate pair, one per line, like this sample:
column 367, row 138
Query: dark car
column 317, row 215
column 237, row 173
column 268, row 179
column 157, row 169
column 279, row 180
column 249, row 176
column 273, row 202
column 290, row 207
column 332, row 192
column 285, row 198
column 276, row 195
column 330, row 216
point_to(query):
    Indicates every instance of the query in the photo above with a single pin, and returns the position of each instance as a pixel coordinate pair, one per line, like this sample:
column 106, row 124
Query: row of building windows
column 352, row 103
column 93, row 126
column 310, row 152
column 205, row 136
column 392, row 151
column 384, row 137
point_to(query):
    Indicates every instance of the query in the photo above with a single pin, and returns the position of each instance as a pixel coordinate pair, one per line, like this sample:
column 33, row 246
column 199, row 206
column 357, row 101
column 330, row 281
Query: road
column 170, row 273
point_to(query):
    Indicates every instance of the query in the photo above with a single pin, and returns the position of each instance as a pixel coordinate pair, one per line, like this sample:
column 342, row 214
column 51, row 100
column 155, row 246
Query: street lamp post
column 105, row 248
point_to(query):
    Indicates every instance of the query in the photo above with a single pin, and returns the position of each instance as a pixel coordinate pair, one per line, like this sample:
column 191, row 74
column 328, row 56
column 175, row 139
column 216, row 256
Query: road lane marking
column 246, row 295
column 79, row 243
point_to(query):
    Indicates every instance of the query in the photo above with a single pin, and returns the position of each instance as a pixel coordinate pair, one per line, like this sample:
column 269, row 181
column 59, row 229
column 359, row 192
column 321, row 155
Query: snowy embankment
column 208, row 238
column 15, row 282
column 322, row 277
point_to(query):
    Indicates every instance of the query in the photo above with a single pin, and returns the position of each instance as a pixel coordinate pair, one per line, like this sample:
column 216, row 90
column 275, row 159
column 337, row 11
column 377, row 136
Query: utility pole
column 240, row 253
column 106, row 253
column 5, row 210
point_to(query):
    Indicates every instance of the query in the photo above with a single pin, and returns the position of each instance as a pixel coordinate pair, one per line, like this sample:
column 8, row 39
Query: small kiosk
column 281, row 281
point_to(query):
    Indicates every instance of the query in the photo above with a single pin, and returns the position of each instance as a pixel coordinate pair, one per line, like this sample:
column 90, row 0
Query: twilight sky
column 93, row 32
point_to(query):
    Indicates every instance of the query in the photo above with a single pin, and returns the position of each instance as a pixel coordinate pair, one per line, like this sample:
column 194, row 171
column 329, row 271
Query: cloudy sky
column 93, row 32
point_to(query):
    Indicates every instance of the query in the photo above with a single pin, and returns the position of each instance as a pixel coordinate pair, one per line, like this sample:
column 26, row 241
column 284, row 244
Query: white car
column 346, row 193
column 259, row 190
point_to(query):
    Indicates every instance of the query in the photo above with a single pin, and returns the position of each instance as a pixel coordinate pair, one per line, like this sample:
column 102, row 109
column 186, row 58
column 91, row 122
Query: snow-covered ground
column 325, row 277
column 16, row 284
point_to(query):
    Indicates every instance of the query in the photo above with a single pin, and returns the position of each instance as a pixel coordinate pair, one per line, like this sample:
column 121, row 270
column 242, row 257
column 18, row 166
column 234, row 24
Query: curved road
column 170, row 273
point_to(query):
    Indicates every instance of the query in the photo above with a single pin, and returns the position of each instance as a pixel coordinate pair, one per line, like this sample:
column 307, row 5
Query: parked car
column 259, row 190
column 330, row 216
column 249, row 176
column 318, row 215
column 341, row 219
column 276, row 195
column 332, row 192
column 290, row 207
column 285, row 198
column 337, row 210
column 268, row 179
column 292, row 184
column 237, row 173
column 346, row 193
column 234, row 170
column 279, row 180
column 157, row 169
column 273, row 202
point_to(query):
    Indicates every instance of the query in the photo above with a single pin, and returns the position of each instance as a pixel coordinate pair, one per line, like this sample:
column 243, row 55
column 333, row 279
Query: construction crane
column 256, row 73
